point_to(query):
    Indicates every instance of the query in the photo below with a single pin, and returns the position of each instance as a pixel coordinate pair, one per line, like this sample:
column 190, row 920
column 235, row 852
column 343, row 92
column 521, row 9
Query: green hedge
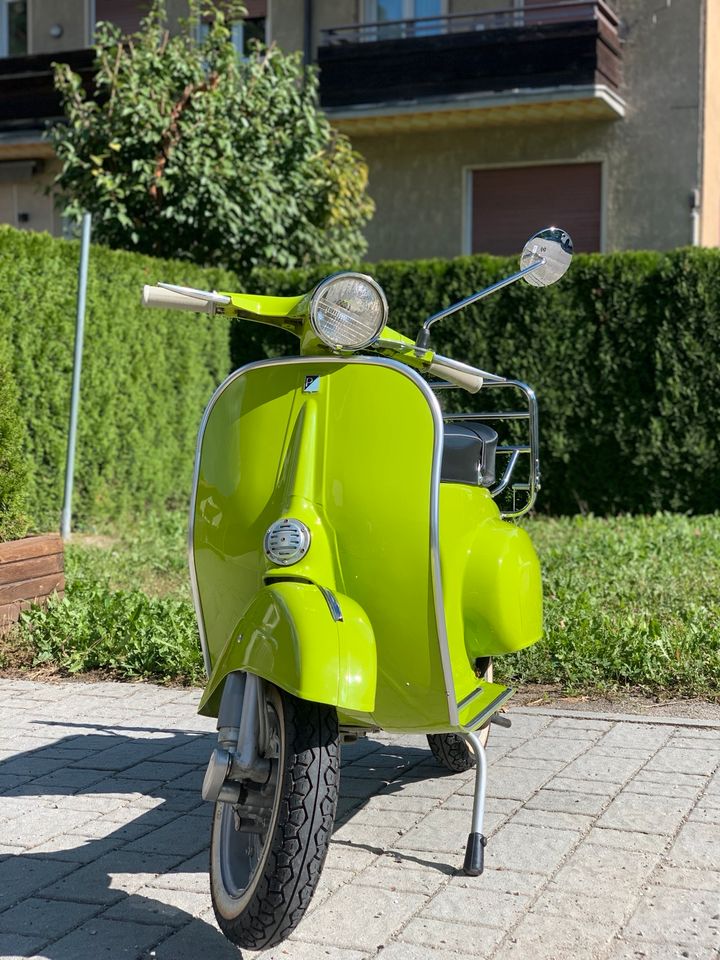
column 13, row 475
column 146, row 375
column 624, row 353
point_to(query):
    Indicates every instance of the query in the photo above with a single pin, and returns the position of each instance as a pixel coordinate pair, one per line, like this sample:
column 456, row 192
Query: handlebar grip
column 169, row 300
column 466, row 378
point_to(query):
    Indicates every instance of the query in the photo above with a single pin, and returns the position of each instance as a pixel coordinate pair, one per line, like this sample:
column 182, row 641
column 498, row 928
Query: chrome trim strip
column 470, row 697
column 491, row 708
column 331, row 600
column 435, row 568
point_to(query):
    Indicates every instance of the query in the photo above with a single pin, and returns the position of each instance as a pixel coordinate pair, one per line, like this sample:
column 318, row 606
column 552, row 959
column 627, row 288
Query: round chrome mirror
column 552, row 248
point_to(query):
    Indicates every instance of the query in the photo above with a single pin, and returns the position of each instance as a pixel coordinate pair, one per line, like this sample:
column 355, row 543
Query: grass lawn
column 630, row 602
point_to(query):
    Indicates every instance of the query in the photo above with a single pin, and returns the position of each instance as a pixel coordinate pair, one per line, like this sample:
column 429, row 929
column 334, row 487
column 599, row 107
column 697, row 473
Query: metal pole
column 77, row 365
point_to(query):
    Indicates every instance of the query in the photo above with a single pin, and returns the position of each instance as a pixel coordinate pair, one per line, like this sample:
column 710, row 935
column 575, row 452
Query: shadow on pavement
column 132, row 810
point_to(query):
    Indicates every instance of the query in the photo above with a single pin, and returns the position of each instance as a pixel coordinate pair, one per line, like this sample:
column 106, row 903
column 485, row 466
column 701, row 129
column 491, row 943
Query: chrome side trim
column 331, row 600
column 470, row 697
column 435, row 568
column 490, row 709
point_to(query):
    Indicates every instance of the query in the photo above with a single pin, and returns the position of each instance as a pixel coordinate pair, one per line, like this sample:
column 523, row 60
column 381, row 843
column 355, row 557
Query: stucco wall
column 287, row 20
column 71, row 15
column 650, row 157
column 710, row 195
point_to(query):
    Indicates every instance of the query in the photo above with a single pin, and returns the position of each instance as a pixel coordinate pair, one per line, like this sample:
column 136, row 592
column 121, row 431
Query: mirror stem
column 423, row 337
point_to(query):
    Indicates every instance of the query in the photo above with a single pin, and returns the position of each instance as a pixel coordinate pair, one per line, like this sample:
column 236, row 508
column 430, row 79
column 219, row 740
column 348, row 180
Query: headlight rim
column 327, row 281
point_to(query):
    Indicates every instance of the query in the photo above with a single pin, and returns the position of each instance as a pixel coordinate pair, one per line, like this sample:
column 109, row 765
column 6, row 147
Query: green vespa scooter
column 353, row 569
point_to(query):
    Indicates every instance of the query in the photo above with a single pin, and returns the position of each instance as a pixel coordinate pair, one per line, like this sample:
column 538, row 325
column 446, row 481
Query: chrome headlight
column 348, row 311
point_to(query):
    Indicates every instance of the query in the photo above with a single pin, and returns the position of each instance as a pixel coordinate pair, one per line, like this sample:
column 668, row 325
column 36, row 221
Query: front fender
column 288, row 636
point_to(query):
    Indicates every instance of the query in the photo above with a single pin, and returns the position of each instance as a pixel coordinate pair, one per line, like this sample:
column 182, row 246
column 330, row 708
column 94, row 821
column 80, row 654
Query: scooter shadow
column 92, row 875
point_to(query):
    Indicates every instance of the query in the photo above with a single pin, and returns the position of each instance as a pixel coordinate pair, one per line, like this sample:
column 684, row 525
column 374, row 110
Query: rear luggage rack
column 523, row 492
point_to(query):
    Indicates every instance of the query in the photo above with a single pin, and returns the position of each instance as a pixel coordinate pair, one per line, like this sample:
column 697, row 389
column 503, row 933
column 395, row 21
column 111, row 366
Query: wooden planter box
column 30, row 570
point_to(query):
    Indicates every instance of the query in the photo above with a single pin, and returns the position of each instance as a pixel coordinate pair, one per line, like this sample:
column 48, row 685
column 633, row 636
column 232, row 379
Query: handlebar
column 170, row 300
column 460, row 374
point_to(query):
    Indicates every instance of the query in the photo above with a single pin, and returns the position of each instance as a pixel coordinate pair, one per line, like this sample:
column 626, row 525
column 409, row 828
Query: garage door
column 511, row 203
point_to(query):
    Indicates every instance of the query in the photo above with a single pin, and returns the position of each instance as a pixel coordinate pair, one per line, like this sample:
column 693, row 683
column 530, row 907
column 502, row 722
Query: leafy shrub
column 123, row 631
column 146, row 375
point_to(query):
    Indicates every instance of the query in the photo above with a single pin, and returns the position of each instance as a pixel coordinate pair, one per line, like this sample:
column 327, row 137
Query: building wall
column 650, row 158
column 24, row 203
column 72, row 15
column 710, row 191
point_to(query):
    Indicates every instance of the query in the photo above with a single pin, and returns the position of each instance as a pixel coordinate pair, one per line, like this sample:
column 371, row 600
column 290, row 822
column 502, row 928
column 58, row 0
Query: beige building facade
column 480, row 121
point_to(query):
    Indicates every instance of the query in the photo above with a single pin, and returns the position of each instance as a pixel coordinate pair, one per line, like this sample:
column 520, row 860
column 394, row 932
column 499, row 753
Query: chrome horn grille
column 286, row 542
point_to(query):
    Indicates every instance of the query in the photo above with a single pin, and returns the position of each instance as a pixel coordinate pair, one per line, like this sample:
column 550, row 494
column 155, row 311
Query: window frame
column 4, row 32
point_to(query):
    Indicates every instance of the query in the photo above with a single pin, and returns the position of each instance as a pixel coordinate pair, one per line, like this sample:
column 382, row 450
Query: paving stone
column 697, row 846
column 491, row 908
column 550, row 748
column 648, row 814
column 604, row 869
column 446, row 829
column 73, row 849
column 547, row 936
column 331, row 879
column 45, row 919
column 468, row 937
column 399, row 803
column 595, row 766
column 585, row 904
column 705, row 814
column 346, row 920
column 14, row 945
column 151, row 904
column 639, row 735
column 567, row 801
column 598, row 788
column 185, row 837
column 22, row 875
column 581, row 723
column 440, row 788
column 514, row 782
column 111, row 939
column 501, row 878
column 678, row 916
column 108, row 879
column 410, row 951
column 399, row 819
column 667, row 788
column 297, row 950
column 531, row 849
column 675, row 760
column 360, row 788
column 44, row 823
column 666, row 875
column 154, row 770
column 626, row 840
column 640, row 949
column 375, row 840
column 556, row 820
column 389, row 876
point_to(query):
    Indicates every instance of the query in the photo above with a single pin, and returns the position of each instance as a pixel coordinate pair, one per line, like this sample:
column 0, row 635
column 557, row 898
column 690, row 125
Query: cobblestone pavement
column 604, row 839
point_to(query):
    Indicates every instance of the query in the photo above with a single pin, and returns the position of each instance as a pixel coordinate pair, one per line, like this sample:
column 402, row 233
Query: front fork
column 239, row 754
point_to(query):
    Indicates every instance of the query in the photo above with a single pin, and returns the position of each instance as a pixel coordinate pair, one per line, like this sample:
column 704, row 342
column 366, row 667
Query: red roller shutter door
column 509, row 204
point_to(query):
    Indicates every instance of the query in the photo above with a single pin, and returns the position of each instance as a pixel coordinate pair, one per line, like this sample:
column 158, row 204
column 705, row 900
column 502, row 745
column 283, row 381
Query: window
column 13, row 28
column 509, row 204
column 387, row 11
column 243, row 33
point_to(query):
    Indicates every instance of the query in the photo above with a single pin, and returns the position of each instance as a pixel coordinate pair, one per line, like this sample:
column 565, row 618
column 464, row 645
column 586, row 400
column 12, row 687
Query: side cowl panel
column 288, row 634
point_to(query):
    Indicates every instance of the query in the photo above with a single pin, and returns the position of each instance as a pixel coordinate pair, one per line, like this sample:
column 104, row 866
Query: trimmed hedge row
column 624, row 353
column 146, row 377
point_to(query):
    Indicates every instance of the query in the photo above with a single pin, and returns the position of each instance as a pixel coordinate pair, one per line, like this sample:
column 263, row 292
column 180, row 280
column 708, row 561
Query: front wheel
column 267, row 851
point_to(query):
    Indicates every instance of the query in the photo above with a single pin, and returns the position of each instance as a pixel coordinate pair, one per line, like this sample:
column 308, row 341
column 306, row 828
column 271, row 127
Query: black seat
column 469, row 453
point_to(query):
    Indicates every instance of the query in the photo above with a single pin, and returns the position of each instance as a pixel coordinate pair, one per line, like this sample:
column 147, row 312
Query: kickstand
column 475, row 850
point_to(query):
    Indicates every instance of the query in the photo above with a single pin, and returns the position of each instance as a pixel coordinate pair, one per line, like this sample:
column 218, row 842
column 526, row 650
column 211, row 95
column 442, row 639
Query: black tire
column 262, row 881
column 451, row 750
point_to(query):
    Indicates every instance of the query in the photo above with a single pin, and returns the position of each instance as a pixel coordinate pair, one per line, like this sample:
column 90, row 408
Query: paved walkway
column 605, row 839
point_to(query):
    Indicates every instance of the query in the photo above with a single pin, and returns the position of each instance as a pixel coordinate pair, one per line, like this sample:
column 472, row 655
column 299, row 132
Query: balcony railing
column 556, row 11
column 562, row 44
